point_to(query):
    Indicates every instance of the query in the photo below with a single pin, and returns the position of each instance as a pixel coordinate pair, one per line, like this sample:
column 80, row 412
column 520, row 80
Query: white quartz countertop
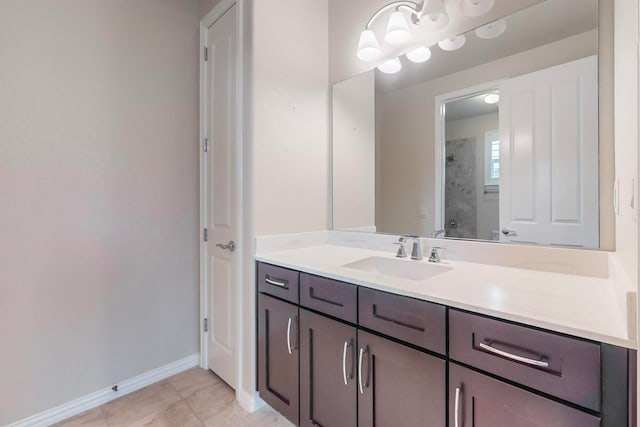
column 582, row 306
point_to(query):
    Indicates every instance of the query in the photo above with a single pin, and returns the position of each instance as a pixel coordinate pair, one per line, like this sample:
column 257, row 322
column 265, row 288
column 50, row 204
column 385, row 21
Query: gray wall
column 98, row 195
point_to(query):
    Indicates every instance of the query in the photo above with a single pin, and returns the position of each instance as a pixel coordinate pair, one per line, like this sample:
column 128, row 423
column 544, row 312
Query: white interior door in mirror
column 549, row 156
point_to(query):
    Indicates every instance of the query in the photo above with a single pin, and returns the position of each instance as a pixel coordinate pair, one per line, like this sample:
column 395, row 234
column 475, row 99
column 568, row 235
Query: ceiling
column 534, row 26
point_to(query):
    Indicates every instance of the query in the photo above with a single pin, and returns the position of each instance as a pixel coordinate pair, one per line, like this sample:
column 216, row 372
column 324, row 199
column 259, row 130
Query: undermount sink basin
column 401, row 268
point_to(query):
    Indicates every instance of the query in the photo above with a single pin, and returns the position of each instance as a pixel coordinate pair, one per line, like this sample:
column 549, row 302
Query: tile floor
column 192, row 398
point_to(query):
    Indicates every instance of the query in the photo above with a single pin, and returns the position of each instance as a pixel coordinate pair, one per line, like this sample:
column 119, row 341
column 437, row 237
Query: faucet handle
column 402, row 252
column 434, row 256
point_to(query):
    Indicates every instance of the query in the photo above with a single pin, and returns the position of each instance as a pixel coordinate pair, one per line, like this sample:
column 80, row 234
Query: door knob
column 231, row 246
column 508, row 232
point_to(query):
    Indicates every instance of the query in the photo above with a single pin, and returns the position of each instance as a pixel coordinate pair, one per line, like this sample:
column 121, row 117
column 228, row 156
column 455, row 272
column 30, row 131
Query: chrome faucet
column 438, row 233
column 434, row 256
column 416, row 248
column 402, row 252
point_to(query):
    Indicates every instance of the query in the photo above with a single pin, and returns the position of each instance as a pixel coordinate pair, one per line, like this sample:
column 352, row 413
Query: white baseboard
column 100, row 397
column 250, row 402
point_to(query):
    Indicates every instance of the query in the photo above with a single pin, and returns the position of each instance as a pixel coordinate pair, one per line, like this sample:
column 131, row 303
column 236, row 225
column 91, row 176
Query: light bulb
column 492, row 98
column 434, row 16
column 492, row 29
column 368, row 47
column 420, row 54
column 391, row 66
column 397, row 30
column 473, row 8
column 453, row 43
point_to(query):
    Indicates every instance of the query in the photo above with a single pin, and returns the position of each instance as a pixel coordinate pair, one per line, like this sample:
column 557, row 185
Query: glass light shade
column 397, row 30
column 473, row 8
column 391, row 66
column 492, row 30
column 435, row 21
column 434, row 16
column 418, row 55
column 453, row 43
column 492, row 98
column 368, row 47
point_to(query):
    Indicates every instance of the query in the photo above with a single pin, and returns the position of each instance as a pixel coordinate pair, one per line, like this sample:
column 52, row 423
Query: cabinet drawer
column 478, row 400
column 417, row 322
column 564, row 367
column 328, row 296
column 279, row 282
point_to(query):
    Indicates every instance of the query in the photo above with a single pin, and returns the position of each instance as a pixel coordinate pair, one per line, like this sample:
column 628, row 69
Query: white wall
column 354, row 122
column 407, row 131
column 98, row 195
column 286, row 134
column 626, row 132
column 488, row 212
column 205, row 6
column 290, row 116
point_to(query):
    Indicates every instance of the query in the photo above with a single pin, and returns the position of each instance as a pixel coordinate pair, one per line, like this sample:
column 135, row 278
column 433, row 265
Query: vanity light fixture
column 430, row 16
column 434, row 16
column 474, row 8
column 397, row 30
column 492, row 29
column 368, row 47
column 419, row 55
column 391, row 66
column 453, row 43
column 492, row 98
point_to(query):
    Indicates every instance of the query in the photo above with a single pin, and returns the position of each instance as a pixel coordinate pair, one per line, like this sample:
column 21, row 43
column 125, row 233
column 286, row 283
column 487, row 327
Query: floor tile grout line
column 182, row 399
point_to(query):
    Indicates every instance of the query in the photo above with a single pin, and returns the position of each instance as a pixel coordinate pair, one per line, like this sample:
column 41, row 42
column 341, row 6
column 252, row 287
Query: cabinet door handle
column 275, row 282
column 456, row 407
column 363, row 350
column 289, row 335
column 346, row 378
column 540, row 363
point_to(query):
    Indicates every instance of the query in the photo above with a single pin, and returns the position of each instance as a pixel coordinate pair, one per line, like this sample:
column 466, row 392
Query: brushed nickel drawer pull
column 363, row 350
column 345, row 377
column 532, row 362
column 289, row 347
column 281, row 284
column 456, row 409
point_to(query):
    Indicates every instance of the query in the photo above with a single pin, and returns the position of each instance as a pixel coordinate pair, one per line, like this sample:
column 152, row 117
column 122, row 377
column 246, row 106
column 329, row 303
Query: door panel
column 221, row 195
column 401, row 387
column 278, row 355
column 549, row 183
column 327, row 355
column 485, row 402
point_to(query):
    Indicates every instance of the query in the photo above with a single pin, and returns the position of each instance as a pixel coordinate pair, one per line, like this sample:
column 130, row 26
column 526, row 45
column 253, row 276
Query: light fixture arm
column 414, row 9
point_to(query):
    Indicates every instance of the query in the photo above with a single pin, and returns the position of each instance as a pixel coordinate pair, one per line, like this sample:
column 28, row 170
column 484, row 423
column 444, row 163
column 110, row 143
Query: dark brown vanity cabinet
column 334, row 354
column 278, row 360
column 398, row 386
column 476, row 400
column 327, row 371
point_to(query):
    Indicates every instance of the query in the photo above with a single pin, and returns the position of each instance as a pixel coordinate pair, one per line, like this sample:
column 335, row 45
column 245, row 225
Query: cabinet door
column 476, row 400
column 278, row 355
column 327, row 372
column 398, row 386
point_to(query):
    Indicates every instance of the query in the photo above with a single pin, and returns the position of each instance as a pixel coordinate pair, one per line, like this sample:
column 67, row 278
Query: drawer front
column 563, row 367
column 278, row 281
column 478, row 400
column 417, row 322
column 330, row 297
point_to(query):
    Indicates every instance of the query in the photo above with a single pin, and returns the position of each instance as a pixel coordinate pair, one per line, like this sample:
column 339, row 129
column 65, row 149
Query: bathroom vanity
column 387, row 347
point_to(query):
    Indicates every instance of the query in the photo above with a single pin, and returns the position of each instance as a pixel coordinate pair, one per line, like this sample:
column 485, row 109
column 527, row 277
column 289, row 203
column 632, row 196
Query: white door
column 221, row 196
column 549, row 156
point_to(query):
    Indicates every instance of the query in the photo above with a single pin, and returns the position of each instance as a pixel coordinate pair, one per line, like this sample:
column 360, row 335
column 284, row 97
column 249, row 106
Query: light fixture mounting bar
column 412, row 6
